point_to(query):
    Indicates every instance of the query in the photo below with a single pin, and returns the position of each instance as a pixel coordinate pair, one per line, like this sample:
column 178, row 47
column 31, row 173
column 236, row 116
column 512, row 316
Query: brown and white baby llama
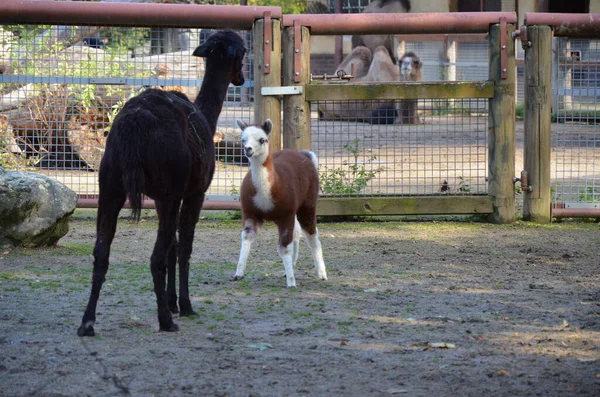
column 282, row 187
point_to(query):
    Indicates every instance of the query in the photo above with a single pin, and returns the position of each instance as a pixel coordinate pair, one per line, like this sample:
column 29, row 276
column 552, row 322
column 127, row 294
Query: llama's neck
column 213, row 92
column 263, row 179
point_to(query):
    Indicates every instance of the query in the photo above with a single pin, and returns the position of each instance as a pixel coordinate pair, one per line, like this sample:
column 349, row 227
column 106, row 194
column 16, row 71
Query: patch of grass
column 76, row 249
column 301, row 314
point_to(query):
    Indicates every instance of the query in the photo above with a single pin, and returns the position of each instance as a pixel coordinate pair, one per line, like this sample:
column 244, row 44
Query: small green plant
column 590, row 194
column 351, row 180
column 233, row 190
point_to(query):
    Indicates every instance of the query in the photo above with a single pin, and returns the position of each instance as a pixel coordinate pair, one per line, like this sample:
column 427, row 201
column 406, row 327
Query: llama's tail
column 133, row 179
column 312, row 156
column 130, row 146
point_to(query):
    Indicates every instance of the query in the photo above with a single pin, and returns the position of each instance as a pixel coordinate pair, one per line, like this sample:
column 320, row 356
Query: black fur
column 161, row 145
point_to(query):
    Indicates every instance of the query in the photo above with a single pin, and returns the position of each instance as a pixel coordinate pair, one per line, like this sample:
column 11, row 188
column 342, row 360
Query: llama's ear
column 204, row 49
column 241, row 124
column 267, row 126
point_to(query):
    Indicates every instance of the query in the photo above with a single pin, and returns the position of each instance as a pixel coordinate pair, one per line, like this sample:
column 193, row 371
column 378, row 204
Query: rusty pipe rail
column 83, row 202
column 397, row 23
column 575, row 213
column 572, row 25
column 132, row 14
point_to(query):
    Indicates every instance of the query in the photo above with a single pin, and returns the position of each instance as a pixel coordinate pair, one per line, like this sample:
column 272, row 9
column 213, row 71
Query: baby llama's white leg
column 287, row 256
column 248, row 237
column 317, row 252
column 296, row 242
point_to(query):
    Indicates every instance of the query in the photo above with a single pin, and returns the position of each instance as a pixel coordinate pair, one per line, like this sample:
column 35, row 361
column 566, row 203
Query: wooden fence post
column 267, row 106
column 502, row 125
column 296, row 110
column 538, row 113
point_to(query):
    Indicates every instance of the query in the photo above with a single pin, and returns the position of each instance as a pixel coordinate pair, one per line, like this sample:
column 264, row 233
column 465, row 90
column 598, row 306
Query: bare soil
column 410, row 308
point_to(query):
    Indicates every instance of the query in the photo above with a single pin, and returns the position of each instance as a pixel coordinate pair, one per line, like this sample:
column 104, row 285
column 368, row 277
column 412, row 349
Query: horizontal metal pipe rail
column 575, row 213
column 149, row 204
column 132, row 14
column 399, row 23
column 572, row 25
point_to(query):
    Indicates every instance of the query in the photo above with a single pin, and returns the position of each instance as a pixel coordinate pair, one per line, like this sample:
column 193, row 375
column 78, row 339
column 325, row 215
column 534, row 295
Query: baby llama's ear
column 241, row 124
column 267, row 126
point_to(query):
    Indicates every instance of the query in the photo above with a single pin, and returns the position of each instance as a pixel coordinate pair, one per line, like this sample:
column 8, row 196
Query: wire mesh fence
column 446, row 152
column 61, row 87
column 576, row 133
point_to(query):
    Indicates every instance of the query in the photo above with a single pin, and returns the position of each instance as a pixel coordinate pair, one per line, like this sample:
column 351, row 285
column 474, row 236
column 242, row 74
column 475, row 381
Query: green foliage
column 287, row 6
column 520, row 111
column 590, row 194
column 352, row 179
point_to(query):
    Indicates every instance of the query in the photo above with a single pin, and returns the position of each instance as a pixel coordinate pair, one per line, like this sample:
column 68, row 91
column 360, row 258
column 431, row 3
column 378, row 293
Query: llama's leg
column 308, row 221
column 297, row 235
column 286, row 249
column 248, row 236
column 412, row 112
column 166, row 238
column 171, row 275
column 188, row 217
column 314, row 244
column 109, row 204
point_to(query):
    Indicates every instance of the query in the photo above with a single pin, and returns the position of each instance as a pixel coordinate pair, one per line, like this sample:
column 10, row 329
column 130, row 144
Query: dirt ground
column 422, row 308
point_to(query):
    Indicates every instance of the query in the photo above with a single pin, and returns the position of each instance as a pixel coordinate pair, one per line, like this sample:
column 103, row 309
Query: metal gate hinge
column 267, row 44
column 297, row 50
column 503, row 50
column 522, row 34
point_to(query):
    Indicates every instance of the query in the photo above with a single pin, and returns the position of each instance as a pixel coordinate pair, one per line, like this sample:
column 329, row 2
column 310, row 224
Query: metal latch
column 285, row 90
column 524, row 179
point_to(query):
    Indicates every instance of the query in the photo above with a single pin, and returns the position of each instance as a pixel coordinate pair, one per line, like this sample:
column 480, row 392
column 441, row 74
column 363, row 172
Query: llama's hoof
column 86, row 331
column 237, row 278
column 187, row 312
column 170, row 328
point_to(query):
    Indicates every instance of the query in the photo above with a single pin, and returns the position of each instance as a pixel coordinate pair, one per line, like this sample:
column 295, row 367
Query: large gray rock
column 34, row 209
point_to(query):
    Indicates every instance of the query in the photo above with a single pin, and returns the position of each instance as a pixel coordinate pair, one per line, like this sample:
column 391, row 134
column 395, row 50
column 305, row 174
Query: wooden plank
column 296, row 110
column 538, row 102
column 267, row 106
column 415, row 205
column 501, row 123
column 385, row 91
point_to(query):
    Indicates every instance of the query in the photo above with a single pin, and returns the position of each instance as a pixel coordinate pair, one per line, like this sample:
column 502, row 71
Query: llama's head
column 225, row 49
column 410, row 67
column 255, row 140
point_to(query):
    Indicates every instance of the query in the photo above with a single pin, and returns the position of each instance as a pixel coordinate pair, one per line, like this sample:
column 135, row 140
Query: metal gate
column 576, row 132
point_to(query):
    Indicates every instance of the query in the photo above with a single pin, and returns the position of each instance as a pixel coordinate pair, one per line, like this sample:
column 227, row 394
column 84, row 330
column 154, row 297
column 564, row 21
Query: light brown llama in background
column 373, row 41
column 410, row 71
column 381, row 70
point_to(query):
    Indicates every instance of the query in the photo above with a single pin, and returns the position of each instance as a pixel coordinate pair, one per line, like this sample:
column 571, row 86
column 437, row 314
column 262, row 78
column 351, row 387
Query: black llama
column 161, row 145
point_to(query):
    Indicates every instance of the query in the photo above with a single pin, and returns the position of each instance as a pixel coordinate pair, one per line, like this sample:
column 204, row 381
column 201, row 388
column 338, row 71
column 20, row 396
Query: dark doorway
column 479, row 5
column 571, row 6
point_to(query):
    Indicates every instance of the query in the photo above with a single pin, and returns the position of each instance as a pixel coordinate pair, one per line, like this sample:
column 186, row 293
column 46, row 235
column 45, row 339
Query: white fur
column 313, row 157
column 406, row 68
column 248, row 237
column 251, row 137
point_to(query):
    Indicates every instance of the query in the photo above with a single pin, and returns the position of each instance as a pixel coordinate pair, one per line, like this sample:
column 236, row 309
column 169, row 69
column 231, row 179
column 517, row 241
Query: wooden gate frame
column 536, row 38
column 499, row 204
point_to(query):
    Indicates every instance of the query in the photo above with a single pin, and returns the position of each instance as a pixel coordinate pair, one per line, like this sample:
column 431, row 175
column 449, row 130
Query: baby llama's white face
column 406, row 67
column 256, row 143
